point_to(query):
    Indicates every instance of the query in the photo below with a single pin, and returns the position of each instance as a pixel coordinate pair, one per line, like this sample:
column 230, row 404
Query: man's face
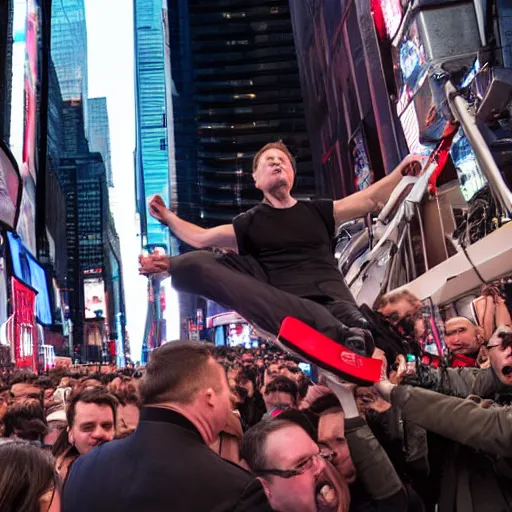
column 271, row 372
column 93, row 425
column 23, row 393
column 331, row 436
column 274, row 172
column 500, row 355
column 461, row 337
column 397, row 310
column 220, row 400
column 290, row 448
column 406, row 314
column 279, row 399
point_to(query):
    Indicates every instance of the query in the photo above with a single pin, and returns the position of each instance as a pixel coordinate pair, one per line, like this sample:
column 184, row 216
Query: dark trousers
column 240, row 284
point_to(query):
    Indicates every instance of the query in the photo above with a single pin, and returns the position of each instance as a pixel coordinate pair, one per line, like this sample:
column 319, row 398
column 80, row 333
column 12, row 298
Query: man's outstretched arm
column 375, row 196
column 199, row 238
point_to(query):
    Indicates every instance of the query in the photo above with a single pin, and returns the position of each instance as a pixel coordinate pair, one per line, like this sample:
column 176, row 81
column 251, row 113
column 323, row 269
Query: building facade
column 6, row 20
column 99, row 133
column 151, row 152
column 69, row 50
column 243, row 82
column 339, row 67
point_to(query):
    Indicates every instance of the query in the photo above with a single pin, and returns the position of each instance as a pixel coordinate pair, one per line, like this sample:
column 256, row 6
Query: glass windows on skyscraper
column 152, row 166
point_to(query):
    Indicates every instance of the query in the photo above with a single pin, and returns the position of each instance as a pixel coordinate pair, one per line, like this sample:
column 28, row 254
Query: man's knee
column 191, row 266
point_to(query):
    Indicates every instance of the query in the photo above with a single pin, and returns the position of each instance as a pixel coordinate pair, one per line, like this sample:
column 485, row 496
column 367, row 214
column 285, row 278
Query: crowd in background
column 314, row 444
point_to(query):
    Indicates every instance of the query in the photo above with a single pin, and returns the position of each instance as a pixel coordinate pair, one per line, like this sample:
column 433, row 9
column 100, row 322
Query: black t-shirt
column 294, row 247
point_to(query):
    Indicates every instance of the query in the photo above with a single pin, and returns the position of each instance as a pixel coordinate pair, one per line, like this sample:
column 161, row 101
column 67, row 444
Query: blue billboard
column 26, row 268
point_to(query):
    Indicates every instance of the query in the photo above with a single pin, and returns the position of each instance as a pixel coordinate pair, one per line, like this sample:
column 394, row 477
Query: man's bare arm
column 374, row 197
column 199, row 238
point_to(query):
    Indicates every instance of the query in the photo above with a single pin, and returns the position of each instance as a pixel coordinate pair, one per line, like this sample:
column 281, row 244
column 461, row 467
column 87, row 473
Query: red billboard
column 24, row 330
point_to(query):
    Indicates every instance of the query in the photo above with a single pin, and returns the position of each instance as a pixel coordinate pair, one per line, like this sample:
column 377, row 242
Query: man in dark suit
column 166, row 464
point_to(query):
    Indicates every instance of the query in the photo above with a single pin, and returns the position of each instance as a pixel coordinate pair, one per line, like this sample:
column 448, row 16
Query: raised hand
column 158, row 209
column 154, row 264
column 412, row 165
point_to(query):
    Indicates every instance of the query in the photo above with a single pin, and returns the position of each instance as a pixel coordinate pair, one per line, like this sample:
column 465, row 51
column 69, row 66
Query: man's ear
column 210, row 393
column 479, row 333
column 266, row 487
column 70, row 436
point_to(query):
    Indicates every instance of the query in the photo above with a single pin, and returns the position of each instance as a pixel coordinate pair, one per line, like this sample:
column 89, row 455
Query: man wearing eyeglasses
column 499, row 350
column 293, row 471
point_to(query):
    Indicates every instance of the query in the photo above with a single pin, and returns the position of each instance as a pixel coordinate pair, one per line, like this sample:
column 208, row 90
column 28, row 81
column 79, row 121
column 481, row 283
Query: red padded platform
column 325, row 353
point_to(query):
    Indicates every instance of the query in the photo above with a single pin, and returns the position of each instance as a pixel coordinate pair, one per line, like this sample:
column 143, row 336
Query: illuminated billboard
column 10, row 189
column 26, row 31
column 94, row 294
column 23, row 332
column 26, row 268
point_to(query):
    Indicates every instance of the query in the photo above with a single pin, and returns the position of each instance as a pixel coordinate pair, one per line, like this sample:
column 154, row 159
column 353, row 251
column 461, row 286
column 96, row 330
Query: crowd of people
column 205, row 428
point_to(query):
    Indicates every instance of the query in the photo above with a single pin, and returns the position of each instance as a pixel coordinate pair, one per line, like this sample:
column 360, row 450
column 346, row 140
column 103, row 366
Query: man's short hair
column 253, row 445
column 98, row 396
column 282, row 384
column 274, row 145
column 177, row 371
column 394, row 297
column 25, row 420
column 459, row 319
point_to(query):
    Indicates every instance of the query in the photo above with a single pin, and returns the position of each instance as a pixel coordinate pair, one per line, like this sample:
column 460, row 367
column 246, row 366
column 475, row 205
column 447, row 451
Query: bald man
column 463, row 340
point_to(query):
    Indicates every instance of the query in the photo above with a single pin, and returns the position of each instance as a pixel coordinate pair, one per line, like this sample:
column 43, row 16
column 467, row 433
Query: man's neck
column 284, row 200
column 195, row 417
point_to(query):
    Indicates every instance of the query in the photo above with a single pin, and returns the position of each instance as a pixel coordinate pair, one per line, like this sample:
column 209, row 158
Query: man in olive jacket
column 477, row 474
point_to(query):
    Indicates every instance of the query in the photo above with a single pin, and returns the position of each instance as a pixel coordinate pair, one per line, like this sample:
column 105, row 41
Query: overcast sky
column 110, row 55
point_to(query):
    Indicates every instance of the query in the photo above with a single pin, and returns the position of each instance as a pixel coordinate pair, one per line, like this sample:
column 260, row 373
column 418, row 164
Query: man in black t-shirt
column 285, row 265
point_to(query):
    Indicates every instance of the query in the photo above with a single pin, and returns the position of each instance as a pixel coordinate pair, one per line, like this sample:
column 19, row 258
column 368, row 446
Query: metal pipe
column 459, row 108
column 423, row 241
column 412, row 275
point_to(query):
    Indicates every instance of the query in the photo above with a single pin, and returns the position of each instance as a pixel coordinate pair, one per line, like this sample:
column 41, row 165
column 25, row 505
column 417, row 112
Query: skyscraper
column 151, row 157
column 6, row 15
column 99, row 133
column 69, row 50
column 237, row 85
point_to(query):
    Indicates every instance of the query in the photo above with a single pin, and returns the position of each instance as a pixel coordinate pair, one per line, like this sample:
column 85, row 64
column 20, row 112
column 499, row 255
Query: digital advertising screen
column 94, row 294
column 24, row 107
column 471, row 179
column 27, row 269
column 410, row 65
column 18, row 78
column 363, row 176
column 392, row 16
column 10, row 183
column 239, row 334
column 4, row 297
column 411, row 129
column 25, row 340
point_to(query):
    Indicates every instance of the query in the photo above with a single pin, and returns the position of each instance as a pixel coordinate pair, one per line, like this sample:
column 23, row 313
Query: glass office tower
column 151, row 158
column 69, row 50
column 247, row 93
column 99, row 133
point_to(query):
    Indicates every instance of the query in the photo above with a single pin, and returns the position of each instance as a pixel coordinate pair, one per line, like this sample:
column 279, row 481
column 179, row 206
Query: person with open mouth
column 499, row 350
column 295, row 475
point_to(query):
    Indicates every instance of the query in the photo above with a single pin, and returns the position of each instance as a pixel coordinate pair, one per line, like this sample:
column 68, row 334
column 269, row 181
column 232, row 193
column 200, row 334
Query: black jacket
column 164, row 465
